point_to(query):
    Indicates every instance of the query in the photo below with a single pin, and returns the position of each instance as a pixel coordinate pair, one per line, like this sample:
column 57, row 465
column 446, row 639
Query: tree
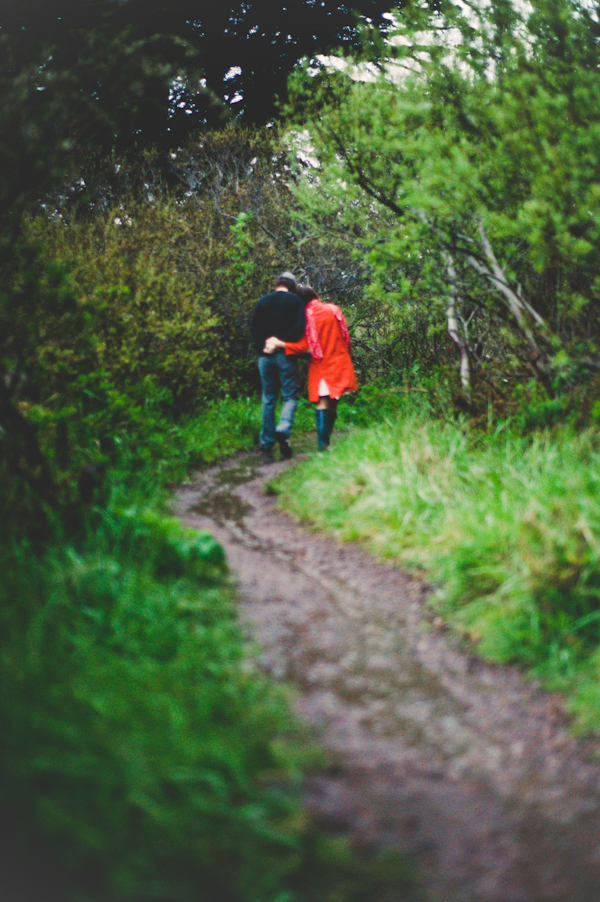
column 478, row 142
column 245, row 50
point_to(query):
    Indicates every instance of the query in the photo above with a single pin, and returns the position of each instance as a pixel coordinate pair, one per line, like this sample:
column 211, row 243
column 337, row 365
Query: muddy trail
column 467, row 767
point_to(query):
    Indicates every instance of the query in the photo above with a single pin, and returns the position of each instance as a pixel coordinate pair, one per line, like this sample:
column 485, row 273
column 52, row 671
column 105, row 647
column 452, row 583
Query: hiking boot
column 284, row 445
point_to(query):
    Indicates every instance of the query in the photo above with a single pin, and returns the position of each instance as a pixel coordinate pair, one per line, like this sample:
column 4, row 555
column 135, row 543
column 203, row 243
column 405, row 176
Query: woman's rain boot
column 322, row 433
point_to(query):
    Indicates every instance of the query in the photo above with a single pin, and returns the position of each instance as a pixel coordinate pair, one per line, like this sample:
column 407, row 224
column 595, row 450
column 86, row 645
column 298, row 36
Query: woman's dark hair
column 306, row 293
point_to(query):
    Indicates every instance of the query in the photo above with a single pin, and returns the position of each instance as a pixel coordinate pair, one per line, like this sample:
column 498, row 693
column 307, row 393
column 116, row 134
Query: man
column 280, row 313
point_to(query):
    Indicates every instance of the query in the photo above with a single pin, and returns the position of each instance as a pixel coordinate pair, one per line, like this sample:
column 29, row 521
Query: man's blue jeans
column 277, row 372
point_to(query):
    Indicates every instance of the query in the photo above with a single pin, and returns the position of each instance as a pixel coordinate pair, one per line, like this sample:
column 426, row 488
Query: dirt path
column 467, row 767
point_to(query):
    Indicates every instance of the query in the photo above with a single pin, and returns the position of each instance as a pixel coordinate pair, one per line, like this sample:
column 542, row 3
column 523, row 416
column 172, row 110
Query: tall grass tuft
column 508, row 529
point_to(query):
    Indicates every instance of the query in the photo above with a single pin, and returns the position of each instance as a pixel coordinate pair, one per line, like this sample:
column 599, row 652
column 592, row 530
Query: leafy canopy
column 478, row 143
column 245, row 50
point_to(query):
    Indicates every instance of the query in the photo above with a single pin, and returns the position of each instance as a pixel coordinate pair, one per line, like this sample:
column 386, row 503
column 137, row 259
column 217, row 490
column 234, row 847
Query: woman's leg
column 331, row 416
column 322, row 414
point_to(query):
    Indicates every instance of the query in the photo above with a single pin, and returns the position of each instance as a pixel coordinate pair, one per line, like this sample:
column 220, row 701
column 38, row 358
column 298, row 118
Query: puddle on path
column 221, row 506
column 238, row 474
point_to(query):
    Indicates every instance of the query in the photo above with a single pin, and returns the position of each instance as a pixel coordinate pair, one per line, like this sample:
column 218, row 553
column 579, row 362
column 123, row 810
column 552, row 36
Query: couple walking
column 291, row 320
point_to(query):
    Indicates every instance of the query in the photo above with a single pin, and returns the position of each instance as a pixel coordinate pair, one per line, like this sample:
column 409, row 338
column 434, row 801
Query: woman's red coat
column 336, row 366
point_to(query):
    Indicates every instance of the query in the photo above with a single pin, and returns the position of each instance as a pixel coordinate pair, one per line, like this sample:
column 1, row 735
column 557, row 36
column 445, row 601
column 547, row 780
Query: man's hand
column 271, row 344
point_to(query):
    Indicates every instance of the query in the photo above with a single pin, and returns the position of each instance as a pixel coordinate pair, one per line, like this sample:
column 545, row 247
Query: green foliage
column 169, row 258
column 507, row 527
column 466, row 171
column 376, row 402
column 137, row 747
column 121, row 314
column 149, row 322
column 135, row 68
column 71, row 92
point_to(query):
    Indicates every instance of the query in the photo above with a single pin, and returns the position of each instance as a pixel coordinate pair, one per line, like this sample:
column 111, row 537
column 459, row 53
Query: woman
column 331, row 373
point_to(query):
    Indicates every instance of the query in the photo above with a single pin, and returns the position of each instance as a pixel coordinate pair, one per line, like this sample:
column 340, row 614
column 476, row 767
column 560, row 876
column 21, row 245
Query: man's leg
column 288, row 374
column 269, row 377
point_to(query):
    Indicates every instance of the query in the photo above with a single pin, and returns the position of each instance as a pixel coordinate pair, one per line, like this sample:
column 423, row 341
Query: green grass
column 141, row 756
column 506, row 527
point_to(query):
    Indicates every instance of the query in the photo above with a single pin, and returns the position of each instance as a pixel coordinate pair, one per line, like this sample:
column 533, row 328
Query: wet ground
column 469, row 768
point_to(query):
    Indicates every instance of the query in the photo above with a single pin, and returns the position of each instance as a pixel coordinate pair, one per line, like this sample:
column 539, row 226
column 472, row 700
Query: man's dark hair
column 306, row 293
column 287, row 280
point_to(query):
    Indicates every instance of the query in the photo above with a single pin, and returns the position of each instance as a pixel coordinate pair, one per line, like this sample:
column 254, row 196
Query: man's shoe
column 284, row 445
column 266, row 456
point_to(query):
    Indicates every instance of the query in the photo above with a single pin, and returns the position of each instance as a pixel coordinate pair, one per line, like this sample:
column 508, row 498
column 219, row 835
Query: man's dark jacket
column 281, row 314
